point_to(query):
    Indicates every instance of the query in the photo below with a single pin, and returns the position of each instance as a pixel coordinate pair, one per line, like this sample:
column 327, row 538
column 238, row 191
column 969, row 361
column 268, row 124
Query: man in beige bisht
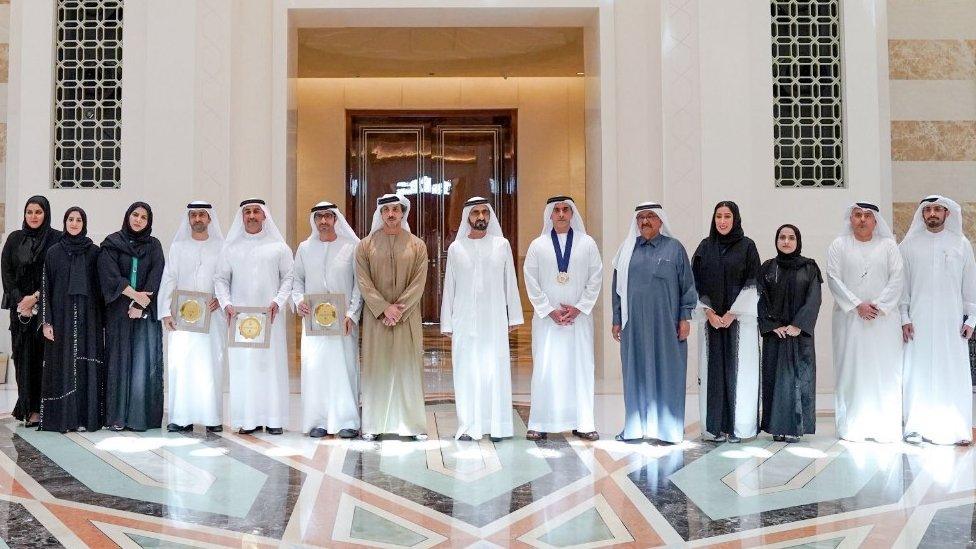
column 391, row 265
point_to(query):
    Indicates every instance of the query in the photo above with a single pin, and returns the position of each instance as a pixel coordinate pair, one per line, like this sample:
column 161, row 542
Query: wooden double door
column 437, row 160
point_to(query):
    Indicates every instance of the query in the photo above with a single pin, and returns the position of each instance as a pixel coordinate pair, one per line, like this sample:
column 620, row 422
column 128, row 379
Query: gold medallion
column 191, row 311
column 562, row 278
column 325, row 314
column 249, row 328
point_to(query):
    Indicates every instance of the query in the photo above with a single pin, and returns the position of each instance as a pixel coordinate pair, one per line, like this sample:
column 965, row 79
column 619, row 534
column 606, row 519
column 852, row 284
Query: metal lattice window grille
column 807, row 111
column 88, row 94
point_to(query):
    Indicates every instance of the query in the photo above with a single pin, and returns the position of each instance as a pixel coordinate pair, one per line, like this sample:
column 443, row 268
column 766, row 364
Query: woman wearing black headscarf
column 130, row 268
column 73, row 384
column 21, row 263
column 726, row 265
column 789, row 302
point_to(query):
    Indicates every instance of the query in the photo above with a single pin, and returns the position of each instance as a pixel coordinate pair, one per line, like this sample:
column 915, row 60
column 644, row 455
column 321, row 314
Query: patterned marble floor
column 157, row 489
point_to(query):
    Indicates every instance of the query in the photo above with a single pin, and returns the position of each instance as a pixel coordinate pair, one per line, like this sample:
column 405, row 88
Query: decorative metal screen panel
column 88, row 94
column 807, row 93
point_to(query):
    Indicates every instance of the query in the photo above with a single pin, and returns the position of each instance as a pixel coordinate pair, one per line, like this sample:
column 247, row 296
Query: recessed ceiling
column 439, row 51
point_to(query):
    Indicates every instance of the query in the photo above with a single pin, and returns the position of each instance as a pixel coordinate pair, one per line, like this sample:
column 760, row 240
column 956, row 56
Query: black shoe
column 590, row 435
column 496, row 439
column 29, row 424
column 174, row 428
column 215, row 428
column 243, row 431
column 465, row 438
column 734, row 439
column 117, row 428
column 790, row 439
column 348, row 433
column 274, row 430
column 778, row 438
column 317, row 432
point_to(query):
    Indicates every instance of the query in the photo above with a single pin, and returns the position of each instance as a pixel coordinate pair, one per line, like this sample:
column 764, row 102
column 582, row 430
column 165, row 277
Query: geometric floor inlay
column 199, row 489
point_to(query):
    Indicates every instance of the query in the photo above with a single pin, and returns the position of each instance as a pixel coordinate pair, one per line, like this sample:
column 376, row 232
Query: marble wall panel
column 933, row 140
column 932, row 59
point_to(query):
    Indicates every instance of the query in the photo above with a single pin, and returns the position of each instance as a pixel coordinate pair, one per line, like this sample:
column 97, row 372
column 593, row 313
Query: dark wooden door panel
column 437, row 160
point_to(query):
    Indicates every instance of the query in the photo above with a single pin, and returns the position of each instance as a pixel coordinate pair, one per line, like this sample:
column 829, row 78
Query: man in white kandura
column 480, row 306
column 255, row 270
column 940, row 288
column 864, row 273
column 563, row 274
column 194, row 361
column 326, row 264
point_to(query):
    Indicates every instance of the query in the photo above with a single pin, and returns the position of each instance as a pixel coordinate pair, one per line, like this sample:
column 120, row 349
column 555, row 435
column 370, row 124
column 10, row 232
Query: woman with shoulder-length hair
column 789, row 303
column 73, row 385
column 726, row 265
column 130, row 268
column 21, row 263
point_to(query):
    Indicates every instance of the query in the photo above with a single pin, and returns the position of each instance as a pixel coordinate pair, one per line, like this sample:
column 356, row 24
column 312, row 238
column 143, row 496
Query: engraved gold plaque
column 325, row 314
column 250, row 328
column 191, row 311
column 328, row 310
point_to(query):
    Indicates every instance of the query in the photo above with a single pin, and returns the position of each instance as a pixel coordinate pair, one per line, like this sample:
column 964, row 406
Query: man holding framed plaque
column 327, row 296
column 252, row 283
column 195, row 350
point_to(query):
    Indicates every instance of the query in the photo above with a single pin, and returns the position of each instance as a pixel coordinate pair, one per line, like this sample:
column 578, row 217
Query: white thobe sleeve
column 447, row 297
column 355, row 309
column 843, row 296
column 539, row 299
column 222, row 278
column 969, row 284
column 891, row 293
column 298, row 279
column 513, row 301
column 166, row 286
column 904, row 305
column 593, row 283
column 286, row 274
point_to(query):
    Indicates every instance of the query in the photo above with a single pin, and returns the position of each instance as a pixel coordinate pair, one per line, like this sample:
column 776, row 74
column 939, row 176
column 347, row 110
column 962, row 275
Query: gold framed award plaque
column 328, row 314
column 250, row 328
column 191, row 311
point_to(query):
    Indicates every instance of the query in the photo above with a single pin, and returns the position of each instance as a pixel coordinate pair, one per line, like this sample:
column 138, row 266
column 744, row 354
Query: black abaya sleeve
column 753, row 265
column 11, row 294
column 110, row 276
column 47, row 283
column 155, row 276
column 97, row 296
column 806, row 316
column 698, row 271
column 767, row 319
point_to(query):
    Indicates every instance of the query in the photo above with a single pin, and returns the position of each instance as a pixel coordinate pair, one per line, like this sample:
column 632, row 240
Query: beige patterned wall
column 932, row 75
column 4, row 49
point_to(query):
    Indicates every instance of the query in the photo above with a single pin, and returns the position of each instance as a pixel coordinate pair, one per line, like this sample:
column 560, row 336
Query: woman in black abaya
column 131, row 267
column 21, row 263
column 726, row 265
column 73, row 385
column 789, row 302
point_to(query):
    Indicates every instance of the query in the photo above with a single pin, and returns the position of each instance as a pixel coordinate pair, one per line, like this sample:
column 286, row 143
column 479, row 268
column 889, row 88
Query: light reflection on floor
column 161, row 489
